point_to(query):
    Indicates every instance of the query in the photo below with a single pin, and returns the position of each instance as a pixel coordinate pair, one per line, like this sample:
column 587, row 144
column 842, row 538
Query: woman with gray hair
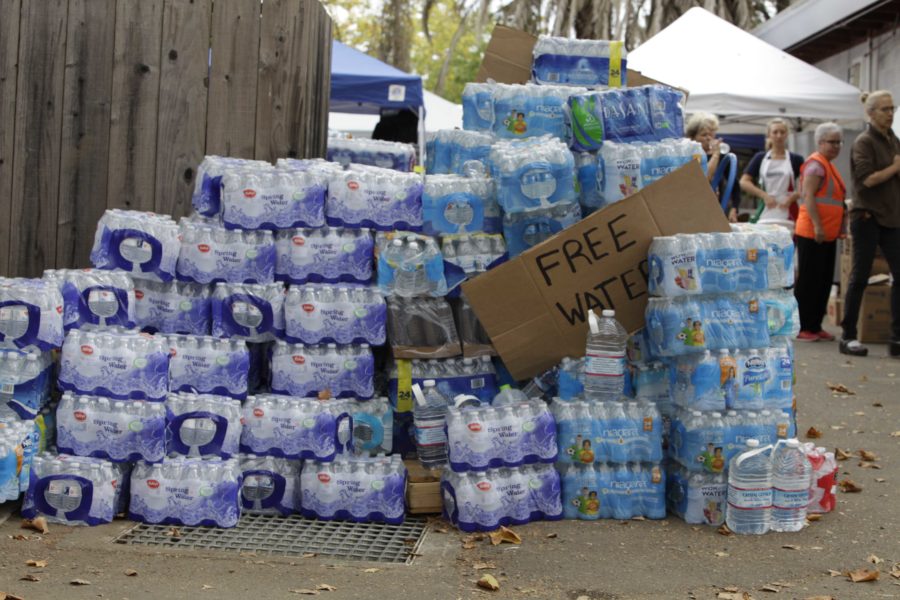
column 819, row 224
column 702, row 127
column 875, row 217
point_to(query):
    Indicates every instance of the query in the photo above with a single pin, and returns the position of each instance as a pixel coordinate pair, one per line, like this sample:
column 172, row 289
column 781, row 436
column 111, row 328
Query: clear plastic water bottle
column 750, row 490
column 604, row 371
column 791, row 473
column 509, row 396
column 429, row 416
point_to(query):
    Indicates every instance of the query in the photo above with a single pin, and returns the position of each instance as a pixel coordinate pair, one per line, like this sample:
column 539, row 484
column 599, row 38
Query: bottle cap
column 751, row 443
column 608, row 312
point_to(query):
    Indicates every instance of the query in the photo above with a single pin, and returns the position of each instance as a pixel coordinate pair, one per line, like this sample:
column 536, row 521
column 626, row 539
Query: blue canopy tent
column 362, row 84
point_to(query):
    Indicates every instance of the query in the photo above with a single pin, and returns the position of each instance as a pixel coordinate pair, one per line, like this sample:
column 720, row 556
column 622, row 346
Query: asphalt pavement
column 572, row 560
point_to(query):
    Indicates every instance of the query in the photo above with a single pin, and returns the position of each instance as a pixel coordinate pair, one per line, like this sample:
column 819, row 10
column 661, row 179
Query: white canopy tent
column 742, row 79
column 439, row 114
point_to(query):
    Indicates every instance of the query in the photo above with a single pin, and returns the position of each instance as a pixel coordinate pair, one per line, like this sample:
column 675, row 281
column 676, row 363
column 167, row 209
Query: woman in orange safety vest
column 819, row 224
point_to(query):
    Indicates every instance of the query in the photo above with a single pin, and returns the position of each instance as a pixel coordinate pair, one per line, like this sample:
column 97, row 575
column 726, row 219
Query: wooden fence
column 114, row 103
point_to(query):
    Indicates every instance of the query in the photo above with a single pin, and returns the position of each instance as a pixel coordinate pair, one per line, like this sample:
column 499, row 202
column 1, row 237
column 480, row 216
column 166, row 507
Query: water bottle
column 791, row 473
column 429, row 415
column 509, row 396
column 605, row 365
column 750, row 490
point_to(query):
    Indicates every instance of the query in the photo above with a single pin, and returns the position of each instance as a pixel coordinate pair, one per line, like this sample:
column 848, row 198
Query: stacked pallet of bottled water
column 722, row 322
column 377, row 153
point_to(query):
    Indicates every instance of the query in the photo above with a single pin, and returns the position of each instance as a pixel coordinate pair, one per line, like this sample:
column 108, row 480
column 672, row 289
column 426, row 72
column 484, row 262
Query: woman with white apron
column 772, row 177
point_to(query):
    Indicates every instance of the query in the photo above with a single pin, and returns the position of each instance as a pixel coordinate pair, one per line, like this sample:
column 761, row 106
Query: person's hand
column 732, row 215
column 714, row 146
column 819, row 233
column 770, row 201
column 896, row 164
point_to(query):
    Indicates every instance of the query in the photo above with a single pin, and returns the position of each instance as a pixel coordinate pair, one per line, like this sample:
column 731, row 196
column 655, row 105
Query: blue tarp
column 362, row 84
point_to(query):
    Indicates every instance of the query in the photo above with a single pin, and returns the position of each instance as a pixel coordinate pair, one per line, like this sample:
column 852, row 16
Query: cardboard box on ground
column 423, row 489
column 879, row 267
column 534, row 307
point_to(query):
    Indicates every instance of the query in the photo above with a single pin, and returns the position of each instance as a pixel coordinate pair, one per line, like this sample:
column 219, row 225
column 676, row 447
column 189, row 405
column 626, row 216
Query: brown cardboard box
column 874, row 325
column 835, row 310
column 879, row 267
column 423, row 489
column 509, row 54
column 534, row 307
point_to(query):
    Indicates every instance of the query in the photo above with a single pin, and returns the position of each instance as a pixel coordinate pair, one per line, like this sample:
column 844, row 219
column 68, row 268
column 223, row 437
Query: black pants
column 867, row 236
column 815, row 274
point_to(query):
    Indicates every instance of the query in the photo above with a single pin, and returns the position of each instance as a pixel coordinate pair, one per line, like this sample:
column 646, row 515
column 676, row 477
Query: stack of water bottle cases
column 571, row 141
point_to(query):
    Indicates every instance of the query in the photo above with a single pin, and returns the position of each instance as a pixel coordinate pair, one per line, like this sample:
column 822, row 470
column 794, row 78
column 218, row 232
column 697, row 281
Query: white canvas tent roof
column 733, row 74
column 439, row 114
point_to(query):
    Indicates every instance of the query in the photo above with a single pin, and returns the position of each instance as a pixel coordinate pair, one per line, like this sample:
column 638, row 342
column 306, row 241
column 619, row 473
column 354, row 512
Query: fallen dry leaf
column 505, row 534
column 722, row 554
column 305, row 592
column 790, row 547
column 730, row 588
column 849, row 487
column 173, row 532
column 131, row 573
column 880, row 480
column 734, row 596
column 38, row 524
column 468, row 545
column 861, row 575
column 841, row 454
column 813, row 517
column 819, row 598
column 859, row 413
column 8, row 596
column 866, row 455
column 834, row 573
column 868, row 465
column 895, row 571
column 29, row 577
column 79, row 582
column 895, row 434
column 782, row 584
column 813, row 433
column 770, row 588
column 724, row 530
column 551, row 535
column 36, row 563
column 878, row 405
column 371, row 570
column 206, row 587
column 308, row 555
column 19, row 537
column 488, row 582
column 324, row 587
column 840, row 388
column 874, row 559
column 480, row 566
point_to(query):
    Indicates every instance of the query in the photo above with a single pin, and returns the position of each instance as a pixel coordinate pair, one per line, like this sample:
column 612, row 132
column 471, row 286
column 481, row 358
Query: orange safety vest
column 829, row 202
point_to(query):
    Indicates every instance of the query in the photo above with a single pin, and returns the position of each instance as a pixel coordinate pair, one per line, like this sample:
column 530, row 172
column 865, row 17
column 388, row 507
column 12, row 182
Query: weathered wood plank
column 231, row 116
column 9, row 54
column 181, row 137
column 283, row 73
column 85, row 128
column 39, row 102
column 322, row 90
column 135, row 101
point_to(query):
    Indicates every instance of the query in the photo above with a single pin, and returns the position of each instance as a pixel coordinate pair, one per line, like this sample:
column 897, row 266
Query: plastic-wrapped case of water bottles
column 357, row 489
column 173, row 307
column 317, row 314
column 488, row 437
column 459, row 204
column 117, row 364
column 485, row 500
column 410, row 265
column 620, row 491
column 207, row 195
column 208, row 365
column 690, row 324
column 697, row 497
column 94, row 298
column 19, row 442
column 271, row 486
column 748, row 259
column 116, row 430
column 31, row 314
column 203, row 425
column 474, row 253
column 25, row 379
column 144, row 244
column 325, row 255
column 309, row 370
column 648, row 113
column 448, row 150
column 75, row 490
column 211, row 253
column 590, row 63
column 376, row 153
column 186, row 491
column 381, row 199
column 453, row 377
column 422, row 328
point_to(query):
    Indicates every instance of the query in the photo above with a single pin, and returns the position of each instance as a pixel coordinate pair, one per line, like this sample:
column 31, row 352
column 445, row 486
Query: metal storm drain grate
column 291, row 536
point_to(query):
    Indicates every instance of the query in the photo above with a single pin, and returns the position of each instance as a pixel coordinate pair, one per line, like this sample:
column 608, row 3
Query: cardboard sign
column 535, row 307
